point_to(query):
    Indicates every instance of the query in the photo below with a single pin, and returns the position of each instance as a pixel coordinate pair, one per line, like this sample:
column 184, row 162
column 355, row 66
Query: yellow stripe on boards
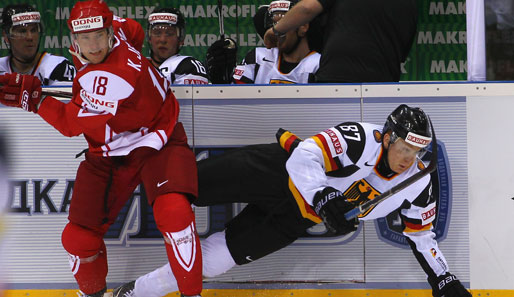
column 278, row 293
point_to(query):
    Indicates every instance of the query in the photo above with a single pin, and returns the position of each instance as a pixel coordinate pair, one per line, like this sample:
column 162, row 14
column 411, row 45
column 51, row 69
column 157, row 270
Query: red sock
column 175, row 220
column 88, row 257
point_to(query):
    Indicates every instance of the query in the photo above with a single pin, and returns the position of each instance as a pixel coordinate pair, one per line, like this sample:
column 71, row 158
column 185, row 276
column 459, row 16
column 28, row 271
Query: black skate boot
column 125, row 290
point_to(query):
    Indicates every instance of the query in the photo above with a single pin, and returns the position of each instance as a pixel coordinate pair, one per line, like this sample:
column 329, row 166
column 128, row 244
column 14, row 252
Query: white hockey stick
column 409, row 181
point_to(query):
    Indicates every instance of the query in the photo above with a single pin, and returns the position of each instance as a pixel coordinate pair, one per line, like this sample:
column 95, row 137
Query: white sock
column 157, row 283
column 216, row 260
column 216, row 256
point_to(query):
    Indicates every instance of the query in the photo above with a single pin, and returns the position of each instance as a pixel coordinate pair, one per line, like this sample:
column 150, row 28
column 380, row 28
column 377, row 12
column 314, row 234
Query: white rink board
column 34, row 257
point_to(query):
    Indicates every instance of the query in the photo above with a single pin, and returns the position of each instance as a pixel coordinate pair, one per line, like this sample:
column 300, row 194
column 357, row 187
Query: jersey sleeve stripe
column 412, row 228
column 305, row 209
column 288, row 141
column 330, row 164
column 243, row 80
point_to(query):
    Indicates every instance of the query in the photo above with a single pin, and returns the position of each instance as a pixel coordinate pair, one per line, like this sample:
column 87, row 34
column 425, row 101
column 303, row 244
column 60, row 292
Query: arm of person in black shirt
column 300, row 14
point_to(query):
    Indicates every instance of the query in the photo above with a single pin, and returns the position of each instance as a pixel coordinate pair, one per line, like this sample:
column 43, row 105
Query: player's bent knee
column 172, row 212
column 80, row 241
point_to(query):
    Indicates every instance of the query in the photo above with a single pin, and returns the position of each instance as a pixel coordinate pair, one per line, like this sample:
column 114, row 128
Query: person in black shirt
column 364, row 41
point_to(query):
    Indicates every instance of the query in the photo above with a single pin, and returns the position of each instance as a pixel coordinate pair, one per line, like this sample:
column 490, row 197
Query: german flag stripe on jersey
column 412, row 228
column 330, row 163
column 287, row 140
column 305, row 208
column 38, row 64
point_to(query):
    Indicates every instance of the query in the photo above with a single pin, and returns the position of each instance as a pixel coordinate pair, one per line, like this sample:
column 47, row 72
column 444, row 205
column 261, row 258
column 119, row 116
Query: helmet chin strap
column 152, row 56
column 78, row 54
column 383, row 164
column 22, row 61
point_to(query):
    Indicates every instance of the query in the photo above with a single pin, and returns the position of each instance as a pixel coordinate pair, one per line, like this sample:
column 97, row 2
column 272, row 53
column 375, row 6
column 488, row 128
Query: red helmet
column 89, row 16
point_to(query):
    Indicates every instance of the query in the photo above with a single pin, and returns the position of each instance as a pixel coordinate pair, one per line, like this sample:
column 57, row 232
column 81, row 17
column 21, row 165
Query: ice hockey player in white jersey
column 293, row 61
column 22, row 30
column 292, row 185
column 166, row 33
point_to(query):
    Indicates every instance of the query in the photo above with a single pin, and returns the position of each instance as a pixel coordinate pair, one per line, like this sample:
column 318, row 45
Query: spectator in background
column 294, row 60
column 22, row 30
column 364, row 40
column 166, row 33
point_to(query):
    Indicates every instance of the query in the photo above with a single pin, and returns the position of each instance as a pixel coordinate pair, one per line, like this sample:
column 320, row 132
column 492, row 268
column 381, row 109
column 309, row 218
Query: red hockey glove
column 23, row 91
column 331, row 205
column 448, row 285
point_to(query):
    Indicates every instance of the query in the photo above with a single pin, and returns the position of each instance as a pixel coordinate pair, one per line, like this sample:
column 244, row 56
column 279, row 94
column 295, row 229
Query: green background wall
column 438, row 52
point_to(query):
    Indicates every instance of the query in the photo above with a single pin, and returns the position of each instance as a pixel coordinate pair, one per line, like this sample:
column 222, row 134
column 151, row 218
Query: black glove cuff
column 322, row 197
column 443, row 282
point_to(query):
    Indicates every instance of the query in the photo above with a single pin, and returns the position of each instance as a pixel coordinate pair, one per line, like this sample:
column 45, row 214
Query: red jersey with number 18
column 120, row 104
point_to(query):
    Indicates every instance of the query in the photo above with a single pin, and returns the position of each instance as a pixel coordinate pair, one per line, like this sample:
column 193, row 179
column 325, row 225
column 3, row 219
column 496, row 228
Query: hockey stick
column 220, row 19
column 409, row 181
column 55, row 93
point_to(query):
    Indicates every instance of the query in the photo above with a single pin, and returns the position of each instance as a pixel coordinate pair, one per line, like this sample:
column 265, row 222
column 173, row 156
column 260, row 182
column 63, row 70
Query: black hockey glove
column 221, row 60
column 447, row 285
column 331, row 205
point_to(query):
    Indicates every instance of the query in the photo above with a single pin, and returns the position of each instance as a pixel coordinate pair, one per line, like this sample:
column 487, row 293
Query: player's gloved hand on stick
column 221, row 60
column 331, row 205
column 23, row 91
column 447, row 285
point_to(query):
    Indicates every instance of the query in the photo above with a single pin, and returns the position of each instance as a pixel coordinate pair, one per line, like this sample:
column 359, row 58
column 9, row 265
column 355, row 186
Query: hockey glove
column 331, row 205
column 447, row 285
column 23, row 91
column 221, row 60
column 262, row 21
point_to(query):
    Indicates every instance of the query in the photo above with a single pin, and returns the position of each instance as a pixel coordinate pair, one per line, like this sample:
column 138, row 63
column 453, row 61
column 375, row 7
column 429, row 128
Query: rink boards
column 219, row 118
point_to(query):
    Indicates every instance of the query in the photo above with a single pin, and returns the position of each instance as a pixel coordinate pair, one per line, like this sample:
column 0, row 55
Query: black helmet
column 409, row 123
column 169, row 16
column 23, row 14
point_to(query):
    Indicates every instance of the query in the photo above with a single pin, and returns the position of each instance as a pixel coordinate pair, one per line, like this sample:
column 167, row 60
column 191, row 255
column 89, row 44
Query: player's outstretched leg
column 160, row 282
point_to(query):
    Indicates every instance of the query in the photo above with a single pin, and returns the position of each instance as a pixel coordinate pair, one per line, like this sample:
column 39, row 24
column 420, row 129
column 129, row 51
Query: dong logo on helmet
column 87, row 24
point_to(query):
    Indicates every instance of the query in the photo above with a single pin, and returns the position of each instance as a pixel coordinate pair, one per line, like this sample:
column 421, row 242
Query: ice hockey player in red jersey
column 128, row 115
column 22, row 30
column 292, row 185
column 166, row 32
